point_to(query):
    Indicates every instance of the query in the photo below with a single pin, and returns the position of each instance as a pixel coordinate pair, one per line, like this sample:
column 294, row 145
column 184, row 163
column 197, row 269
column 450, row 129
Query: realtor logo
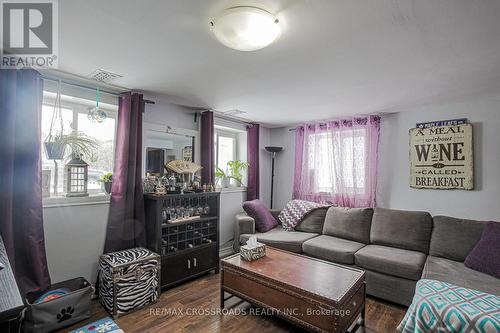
column 29, row 33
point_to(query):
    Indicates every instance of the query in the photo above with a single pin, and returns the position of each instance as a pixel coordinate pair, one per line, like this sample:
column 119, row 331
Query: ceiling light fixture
column 246, row 28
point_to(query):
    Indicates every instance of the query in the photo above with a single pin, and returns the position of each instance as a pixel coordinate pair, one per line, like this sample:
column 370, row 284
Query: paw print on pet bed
column 65, row 314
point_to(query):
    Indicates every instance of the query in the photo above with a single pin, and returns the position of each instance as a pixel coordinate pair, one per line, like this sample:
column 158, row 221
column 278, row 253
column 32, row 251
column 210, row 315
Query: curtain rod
column 232, row 119
column 48, row 78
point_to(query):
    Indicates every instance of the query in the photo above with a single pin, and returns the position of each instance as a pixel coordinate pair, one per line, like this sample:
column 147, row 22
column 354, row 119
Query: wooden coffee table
column 312, row 293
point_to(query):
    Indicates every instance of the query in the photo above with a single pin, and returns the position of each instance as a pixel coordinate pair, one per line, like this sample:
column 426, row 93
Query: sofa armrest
column 244, row 225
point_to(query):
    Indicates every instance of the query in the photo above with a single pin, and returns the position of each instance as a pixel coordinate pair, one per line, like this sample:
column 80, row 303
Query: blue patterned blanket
column 443, row 307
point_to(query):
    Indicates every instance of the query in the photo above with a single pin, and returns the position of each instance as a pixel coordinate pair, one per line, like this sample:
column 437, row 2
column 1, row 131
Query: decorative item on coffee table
column 184, row 229
column 253, row 250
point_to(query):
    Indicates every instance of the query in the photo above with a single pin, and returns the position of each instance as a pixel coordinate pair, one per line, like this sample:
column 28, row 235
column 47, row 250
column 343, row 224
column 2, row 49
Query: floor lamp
column 273, row 151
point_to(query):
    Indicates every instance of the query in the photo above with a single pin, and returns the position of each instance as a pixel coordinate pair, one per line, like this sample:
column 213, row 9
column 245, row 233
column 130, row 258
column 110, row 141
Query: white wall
column 284, row 165
column 393, row 190
column 230, row 203
column 74, row 239
column 74, row 235
column 393, row 185
column 264, row 166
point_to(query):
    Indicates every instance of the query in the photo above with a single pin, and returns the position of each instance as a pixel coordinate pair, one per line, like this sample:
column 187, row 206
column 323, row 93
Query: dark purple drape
column 253, row 160
column 207, row 148
column 21, row 214
column 126, row 222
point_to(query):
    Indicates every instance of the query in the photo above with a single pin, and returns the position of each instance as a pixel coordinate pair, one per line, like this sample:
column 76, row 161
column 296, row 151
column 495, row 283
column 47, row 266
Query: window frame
column 76, row 109
column 225, row 134
column 357, row 133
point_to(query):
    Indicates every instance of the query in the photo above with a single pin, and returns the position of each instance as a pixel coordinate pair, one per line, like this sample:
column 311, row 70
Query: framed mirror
column 164, row 145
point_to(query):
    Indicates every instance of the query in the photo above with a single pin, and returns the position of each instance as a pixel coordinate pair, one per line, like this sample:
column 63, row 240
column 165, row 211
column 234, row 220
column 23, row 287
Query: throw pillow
column 485, row 256
column 264, row 220
column 294, row 212
column 313, row 222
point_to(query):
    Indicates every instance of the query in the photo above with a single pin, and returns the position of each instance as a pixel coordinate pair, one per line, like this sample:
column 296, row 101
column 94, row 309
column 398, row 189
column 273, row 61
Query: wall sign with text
column 441, row 157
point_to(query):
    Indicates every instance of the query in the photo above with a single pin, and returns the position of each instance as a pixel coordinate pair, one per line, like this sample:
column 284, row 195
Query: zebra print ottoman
column 128, row 280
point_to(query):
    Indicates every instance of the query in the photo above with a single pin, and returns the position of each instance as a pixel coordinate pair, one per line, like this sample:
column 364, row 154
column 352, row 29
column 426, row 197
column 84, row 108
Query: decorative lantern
column 77, row 176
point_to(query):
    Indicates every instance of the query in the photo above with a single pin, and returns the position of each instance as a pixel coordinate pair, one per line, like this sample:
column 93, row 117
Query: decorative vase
column 107, row 187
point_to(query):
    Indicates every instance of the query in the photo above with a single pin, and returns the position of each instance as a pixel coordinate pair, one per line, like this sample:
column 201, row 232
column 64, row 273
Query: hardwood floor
column 192, row 307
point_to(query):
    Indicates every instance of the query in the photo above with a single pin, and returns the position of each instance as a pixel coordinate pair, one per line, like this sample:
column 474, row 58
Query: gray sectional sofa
column 396, row 248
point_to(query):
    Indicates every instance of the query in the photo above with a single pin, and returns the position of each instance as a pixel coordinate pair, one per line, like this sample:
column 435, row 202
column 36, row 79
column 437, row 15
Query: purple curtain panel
column 21, row 218
column 253, row 160
column 126, row 221
column 207, row 148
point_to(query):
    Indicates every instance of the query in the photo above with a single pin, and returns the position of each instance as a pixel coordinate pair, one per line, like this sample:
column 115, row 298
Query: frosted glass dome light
column 246, row 28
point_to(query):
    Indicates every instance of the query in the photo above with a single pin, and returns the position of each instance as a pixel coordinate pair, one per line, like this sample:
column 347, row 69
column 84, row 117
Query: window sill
column 233, row 189
column 62, row 201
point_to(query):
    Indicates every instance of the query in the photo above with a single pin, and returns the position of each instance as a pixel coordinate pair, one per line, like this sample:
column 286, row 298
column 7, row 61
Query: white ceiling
column 334, row 58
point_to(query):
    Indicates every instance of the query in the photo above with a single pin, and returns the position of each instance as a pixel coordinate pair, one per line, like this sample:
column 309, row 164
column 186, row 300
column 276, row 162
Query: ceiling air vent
column 105, row 76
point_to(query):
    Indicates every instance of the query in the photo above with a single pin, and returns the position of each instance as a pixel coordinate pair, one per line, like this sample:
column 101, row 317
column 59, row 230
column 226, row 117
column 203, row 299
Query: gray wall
column 393, row 190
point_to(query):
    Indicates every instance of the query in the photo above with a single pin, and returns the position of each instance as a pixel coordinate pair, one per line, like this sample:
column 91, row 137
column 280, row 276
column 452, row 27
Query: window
column 225, row 148
column 338, row 161
column 338, row 158
column 229, row 146
column 74, row 119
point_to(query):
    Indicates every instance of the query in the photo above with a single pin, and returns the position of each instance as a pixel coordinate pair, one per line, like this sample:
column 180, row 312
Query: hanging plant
column 55, row 147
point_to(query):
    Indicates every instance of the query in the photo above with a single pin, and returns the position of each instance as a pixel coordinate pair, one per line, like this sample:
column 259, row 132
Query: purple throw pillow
column 485, row 256
column 264, row 220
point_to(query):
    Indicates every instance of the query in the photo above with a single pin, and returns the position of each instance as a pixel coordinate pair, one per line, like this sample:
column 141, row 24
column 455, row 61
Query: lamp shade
column 246, row 28
column 274, row 149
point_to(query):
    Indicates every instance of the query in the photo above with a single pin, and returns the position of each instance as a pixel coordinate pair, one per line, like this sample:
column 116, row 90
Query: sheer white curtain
column 336, row 161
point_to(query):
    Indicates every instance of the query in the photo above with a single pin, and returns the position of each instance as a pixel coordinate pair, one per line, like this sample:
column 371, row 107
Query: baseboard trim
column 227, row 251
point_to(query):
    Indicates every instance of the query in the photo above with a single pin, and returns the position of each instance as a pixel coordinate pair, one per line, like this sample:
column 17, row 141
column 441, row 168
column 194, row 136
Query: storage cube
column 48, row 314
column 128, row 280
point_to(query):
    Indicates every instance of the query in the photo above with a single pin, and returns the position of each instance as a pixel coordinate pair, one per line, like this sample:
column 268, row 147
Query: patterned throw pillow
column 295, row 211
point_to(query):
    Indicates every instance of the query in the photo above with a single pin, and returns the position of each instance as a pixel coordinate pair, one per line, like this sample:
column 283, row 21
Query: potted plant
column 107, row 180
column 236, row 168
column 221, row 176
column 55, row 147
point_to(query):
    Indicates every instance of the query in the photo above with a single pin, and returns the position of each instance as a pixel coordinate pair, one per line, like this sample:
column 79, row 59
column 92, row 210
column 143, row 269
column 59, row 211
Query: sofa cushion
column 456, row 273
column 454, row 238
column 403, row 229
column 397, row 262
column 349, row 223
column 330, row 248
column 264, row 220
column 313, row 222
column 485, row 256
column 282, row 239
